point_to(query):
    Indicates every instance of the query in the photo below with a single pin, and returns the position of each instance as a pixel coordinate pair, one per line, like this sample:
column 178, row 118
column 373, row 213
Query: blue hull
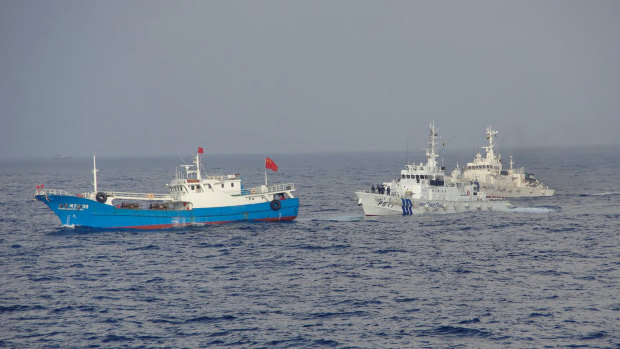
column 76, row 211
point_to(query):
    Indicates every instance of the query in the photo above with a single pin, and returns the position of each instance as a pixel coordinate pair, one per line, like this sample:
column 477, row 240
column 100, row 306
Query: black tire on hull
column 275, row 204
column 101, row 197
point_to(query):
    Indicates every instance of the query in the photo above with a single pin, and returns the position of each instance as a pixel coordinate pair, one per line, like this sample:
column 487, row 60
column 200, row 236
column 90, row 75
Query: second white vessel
column 422, row 188
column 496, row 181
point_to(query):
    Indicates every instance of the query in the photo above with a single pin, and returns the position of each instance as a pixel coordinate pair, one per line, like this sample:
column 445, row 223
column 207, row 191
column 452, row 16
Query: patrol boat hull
column 516, row 192
column 74, row 211
column 382, row 205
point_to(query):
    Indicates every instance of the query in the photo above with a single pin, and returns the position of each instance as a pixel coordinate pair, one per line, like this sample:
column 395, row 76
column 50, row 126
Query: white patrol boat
column 422, row 188
column 496, row 181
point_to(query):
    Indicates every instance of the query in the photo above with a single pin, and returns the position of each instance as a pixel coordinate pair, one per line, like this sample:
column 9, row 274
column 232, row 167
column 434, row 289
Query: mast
column 95, row 172
column 430, row 152
column 489, row 149
column 198, row 166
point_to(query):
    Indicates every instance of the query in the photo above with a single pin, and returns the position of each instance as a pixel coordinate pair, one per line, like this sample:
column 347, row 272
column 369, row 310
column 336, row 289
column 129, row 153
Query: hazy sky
column 163, row 77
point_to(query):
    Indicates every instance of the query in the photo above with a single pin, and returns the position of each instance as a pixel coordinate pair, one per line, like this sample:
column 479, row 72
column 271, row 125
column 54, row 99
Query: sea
column 544, row 275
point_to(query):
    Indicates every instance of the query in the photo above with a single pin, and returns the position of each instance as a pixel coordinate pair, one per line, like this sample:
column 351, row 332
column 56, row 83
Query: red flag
column 271, row 165
column 42, row 185
column 201, row 150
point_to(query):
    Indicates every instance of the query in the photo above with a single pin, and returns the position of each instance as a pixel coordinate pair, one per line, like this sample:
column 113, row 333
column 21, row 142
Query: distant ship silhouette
column 62, row 157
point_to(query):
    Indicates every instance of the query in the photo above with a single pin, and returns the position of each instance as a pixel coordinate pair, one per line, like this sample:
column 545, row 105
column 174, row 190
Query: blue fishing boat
column 192, row 199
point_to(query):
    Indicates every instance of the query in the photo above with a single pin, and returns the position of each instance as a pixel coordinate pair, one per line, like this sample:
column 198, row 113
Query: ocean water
column 546, row 274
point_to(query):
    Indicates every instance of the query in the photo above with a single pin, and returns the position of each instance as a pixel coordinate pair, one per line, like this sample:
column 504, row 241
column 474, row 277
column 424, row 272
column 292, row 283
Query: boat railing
column 268, row 189
column 221, row 177
column 138, row 196
column 216, row 177
column 46, row 191
column 154, row 196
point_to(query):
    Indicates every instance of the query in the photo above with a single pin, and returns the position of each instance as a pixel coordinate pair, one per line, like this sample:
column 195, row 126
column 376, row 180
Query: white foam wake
column 606, row 193
column 345, row 218
column 332, row 218
column 531, row 210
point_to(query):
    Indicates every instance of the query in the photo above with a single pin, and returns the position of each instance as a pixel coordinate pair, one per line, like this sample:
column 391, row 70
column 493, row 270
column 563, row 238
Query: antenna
column 407, row 152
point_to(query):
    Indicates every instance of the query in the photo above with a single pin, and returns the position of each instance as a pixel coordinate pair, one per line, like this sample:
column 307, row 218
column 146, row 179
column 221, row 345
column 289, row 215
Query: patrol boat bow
column 422, row 188
column 191, row 199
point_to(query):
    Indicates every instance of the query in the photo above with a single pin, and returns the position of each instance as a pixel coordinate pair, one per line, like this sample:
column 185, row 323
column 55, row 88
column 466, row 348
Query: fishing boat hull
column 384, row 205
column 516, row 192
column 77, row 211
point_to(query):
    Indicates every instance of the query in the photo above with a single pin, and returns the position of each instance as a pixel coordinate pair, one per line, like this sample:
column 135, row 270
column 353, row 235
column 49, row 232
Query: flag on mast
column 270, row 164
column 201, row 150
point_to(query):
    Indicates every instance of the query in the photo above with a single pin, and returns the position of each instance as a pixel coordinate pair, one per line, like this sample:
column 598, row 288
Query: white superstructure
column 494, row 180
column 192, row 189
column 423, row 188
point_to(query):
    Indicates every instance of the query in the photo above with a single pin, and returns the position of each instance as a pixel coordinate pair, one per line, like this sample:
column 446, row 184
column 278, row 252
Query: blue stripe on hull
column 89, row 213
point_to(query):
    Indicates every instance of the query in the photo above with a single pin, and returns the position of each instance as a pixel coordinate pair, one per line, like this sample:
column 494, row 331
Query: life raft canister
column 468, row 193
column 101, row 197
column 275, row 204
